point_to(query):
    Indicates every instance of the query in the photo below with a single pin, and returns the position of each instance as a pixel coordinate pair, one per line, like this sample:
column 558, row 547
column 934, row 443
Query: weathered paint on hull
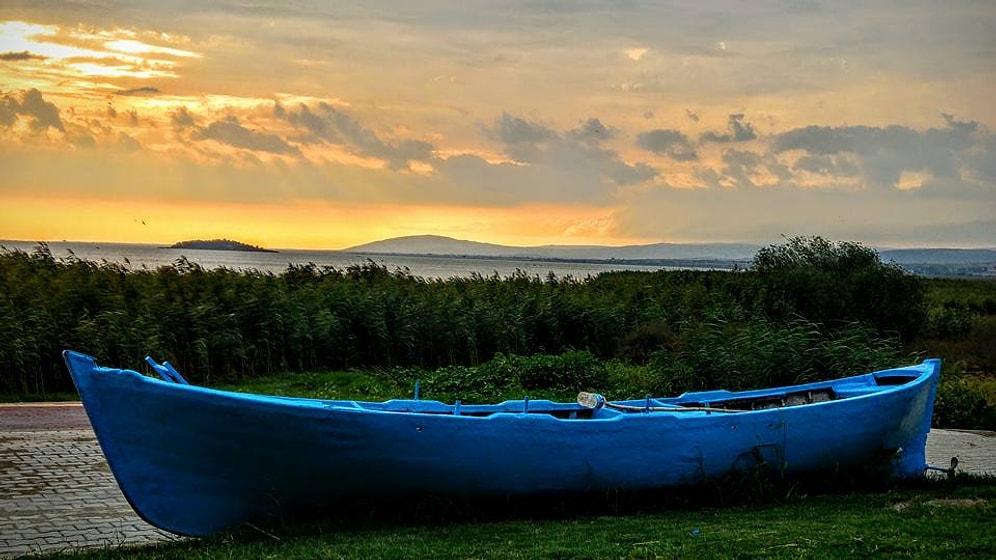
column 196, row 461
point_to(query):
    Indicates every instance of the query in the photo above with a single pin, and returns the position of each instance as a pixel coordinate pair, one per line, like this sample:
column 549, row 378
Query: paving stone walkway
column 57, row 492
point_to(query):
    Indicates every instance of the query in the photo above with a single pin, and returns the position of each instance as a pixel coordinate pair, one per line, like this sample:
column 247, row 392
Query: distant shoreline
column 704, row 263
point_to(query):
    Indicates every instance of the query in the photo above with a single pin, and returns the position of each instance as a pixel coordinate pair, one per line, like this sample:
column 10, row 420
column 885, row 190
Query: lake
column 138, row 256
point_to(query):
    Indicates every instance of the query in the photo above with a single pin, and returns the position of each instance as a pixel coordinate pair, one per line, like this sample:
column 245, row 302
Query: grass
column 968, row 291
column 334, row 385
column 938, row 519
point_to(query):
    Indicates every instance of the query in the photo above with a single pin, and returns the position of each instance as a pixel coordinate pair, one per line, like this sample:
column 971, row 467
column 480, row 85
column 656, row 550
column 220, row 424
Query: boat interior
column 705, row 401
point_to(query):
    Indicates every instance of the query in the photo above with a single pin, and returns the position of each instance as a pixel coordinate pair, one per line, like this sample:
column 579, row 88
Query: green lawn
column 938, row 519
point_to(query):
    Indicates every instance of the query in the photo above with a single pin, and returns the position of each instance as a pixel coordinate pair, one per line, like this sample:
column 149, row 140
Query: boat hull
column 197, row 461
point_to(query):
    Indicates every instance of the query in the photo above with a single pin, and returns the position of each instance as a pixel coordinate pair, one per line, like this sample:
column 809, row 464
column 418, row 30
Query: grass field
column 935, row 519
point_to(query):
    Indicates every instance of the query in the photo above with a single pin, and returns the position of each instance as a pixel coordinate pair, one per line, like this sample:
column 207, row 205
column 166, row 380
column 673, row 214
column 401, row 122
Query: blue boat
column 198, row 461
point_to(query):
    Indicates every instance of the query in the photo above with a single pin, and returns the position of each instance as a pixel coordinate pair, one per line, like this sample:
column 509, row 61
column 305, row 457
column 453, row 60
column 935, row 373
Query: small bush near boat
column 962, row 403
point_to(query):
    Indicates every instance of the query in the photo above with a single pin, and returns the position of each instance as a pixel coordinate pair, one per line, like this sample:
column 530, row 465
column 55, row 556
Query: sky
column 321, row 124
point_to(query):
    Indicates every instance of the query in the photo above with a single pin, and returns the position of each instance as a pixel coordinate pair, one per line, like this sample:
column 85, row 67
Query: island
column 218, row 245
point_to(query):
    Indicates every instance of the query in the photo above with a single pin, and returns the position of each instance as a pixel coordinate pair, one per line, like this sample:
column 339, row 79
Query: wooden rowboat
column 197, row 461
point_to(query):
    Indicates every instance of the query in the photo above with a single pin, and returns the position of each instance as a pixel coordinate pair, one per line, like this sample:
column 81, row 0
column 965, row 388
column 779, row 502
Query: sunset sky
column 321, row 124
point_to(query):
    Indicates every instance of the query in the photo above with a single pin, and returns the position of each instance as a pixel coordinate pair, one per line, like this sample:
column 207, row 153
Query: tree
column 834, row 283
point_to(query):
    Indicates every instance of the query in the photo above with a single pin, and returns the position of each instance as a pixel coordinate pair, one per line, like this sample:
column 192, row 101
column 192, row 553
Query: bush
column 981, row 343
column 962, row 404
column 723, row 354
column 472, row 385
column 834, row 283
column 948, row 322
column 570, row 371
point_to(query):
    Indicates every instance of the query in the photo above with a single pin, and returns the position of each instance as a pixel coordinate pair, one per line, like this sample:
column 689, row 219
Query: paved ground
column 57, row 493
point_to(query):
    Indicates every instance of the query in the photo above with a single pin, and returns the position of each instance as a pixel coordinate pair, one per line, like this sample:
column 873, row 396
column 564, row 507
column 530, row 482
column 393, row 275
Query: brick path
column 57, row 493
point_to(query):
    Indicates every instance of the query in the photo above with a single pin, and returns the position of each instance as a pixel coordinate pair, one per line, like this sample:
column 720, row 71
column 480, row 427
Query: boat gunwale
column 867, row 384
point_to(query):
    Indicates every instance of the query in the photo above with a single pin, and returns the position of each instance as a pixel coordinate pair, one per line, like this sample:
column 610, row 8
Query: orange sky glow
column 298, row 126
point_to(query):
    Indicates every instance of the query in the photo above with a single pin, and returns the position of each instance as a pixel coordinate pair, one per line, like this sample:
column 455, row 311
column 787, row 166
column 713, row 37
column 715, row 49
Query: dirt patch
column 951, row 502
column 941, row 503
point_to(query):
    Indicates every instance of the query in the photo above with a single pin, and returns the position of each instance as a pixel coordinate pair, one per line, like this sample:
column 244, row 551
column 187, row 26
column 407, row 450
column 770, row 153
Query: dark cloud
column 669, row 142
column 8, row 110
column 884, row 153
column 739, row 131
column 230, row 131
column 42, row 114
column 181, row 119
column 19, row 56
column 829, row 165
column 81, row 138
column 139, row 91
column 573, row 150
column 966, row 126
column 739, row 166
column 591, row 131
column 625, row 174
column 565, row 172
column 316, row 125
column 549, row 166
column 512, row 131
column 325, row 123
column 127, row 143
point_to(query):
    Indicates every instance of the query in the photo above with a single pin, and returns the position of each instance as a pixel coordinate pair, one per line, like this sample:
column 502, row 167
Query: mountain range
column 737, row 252
column 447, row 246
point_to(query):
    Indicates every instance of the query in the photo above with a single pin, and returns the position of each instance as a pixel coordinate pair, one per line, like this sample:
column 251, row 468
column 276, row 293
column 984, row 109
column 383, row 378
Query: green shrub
column 981, row 343
column 640, row 344
column 469, row 384
column 570, row 371
column 962, row 404
column 723, row 354
column 833, row 283
column 948, row 322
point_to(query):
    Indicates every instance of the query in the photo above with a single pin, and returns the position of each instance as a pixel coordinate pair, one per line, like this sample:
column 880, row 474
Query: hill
column 447, row 246
column 925, row 261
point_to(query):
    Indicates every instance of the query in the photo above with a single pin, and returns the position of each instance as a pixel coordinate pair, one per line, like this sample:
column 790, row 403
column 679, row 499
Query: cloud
column 41, row 114
column 181, row 119
column 885, row 153
column 669, row 142
column 592, row 131
column 763, row 214
column 19, row 56
column 966, row 126
column 328, row 124
column 522, row 139
column 127, row 143
column 230, row 131
column 511, row 130
column 840, row 165
column 8, row 110
column 739, row 131
column 573, row 159
column 139, row 91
